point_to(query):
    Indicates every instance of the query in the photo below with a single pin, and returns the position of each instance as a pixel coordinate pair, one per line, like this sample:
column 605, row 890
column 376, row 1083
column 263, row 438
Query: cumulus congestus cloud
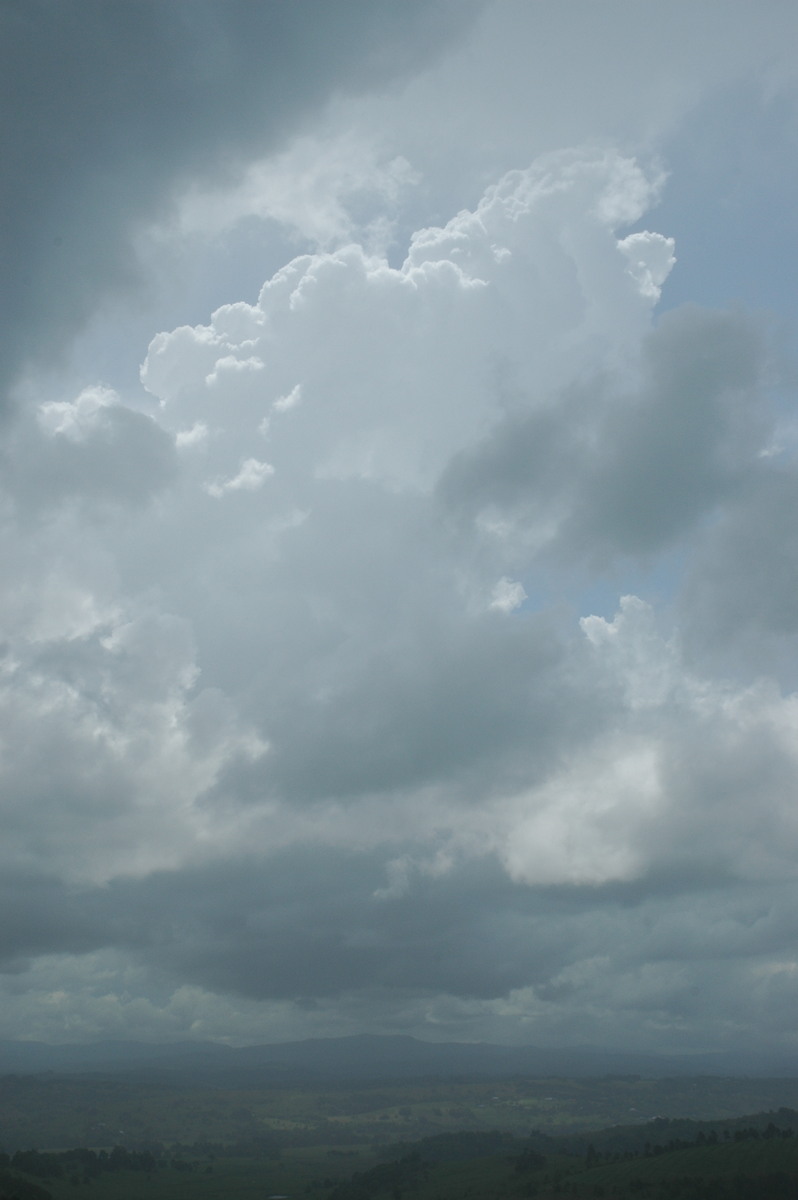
column 308, row 689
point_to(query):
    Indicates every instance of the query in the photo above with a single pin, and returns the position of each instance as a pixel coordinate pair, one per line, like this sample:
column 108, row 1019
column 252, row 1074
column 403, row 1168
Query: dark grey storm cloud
column 315, row 925
column 41, row 915
column 108, row 107
column 739, row 597
column 309, row 923
column 629, row 473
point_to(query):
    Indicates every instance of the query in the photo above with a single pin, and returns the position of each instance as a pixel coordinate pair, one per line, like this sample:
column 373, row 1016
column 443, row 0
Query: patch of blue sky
column 656, row 580
column 729, row 202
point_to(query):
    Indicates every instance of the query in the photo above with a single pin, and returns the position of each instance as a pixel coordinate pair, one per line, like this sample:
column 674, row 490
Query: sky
column 399, row 591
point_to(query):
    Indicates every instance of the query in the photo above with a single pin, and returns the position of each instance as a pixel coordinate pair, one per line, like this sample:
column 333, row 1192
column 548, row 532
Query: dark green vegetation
column 435, row 1140
column 63, row 1111
column 753, row 1161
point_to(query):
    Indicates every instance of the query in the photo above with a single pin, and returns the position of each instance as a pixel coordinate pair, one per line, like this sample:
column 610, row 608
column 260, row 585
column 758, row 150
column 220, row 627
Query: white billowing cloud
column 507, row 595
column 649, row 665
column 585, row 826
column 651, row 259
column 194, row 436
column 252, row 476
column 283, row 403
column 76, row 419
column 230, row 365
column 329, row 725
column 442, row 332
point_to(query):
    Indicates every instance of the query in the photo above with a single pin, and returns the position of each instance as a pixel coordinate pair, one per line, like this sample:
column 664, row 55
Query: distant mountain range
column 368, row 1057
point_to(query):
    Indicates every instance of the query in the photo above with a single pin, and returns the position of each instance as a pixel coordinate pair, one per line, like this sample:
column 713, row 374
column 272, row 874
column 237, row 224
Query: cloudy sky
column 399, row 591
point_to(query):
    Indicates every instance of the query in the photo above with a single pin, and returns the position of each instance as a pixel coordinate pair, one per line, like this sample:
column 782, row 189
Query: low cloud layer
column 411, row 664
